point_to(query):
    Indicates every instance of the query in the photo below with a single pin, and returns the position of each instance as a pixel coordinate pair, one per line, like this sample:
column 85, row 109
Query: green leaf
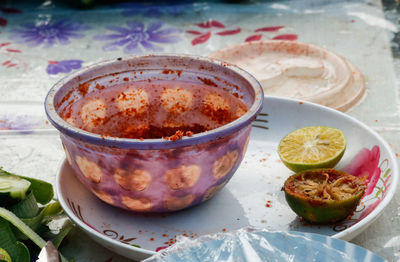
column 26, row 230
column 26, row 208
column 378, row 192
column 23, row 253
column 42, row 190
column 52, row 209
column 387, row 173
column 16, row 250
column 35, row 222
column 67, row 227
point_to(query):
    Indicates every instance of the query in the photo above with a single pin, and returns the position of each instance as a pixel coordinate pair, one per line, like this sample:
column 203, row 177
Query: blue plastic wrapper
column 255, row 245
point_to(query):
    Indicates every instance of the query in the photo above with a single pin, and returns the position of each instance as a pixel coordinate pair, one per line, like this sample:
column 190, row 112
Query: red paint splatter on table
column 290, row 37
column 269, row 29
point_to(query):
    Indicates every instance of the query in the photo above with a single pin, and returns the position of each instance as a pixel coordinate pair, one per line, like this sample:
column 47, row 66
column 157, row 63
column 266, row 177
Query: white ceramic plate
column 253, row 197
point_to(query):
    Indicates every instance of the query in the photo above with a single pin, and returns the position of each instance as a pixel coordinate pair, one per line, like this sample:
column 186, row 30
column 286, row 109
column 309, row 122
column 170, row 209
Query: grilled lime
column 323, row 195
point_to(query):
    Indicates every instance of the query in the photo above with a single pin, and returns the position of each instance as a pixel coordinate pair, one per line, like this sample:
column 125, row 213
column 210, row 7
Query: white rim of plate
column 367, row 220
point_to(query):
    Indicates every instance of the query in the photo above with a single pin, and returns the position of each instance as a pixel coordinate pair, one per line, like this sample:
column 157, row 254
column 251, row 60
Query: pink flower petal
column 193, row 32
column 366, row 164
column 211, row 23
column 206, row 24
column 5, row 44
column 372, row 183
column 217, row 24
column 290, row 37
column 3, row 21
column 201, row 39
column 230, row 32
column 269, row 29
column 13, row 50
column 253, row 38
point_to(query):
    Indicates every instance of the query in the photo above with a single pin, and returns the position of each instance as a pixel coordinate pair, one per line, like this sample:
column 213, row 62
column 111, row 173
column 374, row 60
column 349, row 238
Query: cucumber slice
column 42, row 190
column 4, row 256
column 13, row 186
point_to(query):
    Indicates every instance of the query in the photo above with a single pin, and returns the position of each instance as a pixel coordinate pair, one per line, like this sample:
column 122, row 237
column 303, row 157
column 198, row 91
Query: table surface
column 364, row 32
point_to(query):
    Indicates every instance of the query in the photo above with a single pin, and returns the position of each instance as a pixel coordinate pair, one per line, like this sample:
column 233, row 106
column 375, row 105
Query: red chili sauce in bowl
column 156, row 109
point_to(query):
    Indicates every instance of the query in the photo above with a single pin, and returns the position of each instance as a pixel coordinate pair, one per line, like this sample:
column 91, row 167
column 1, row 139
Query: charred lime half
column 323, row 195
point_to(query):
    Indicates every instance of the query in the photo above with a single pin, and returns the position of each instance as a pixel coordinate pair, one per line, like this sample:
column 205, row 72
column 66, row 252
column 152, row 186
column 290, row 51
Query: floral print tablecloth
column 42, row 42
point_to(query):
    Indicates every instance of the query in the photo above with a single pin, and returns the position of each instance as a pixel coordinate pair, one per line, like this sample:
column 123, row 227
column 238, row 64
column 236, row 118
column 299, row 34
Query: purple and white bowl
column 155, row 175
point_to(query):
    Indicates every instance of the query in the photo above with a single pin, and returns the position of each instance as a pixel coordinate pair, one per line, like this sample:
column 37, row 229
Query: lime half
column 312, row 147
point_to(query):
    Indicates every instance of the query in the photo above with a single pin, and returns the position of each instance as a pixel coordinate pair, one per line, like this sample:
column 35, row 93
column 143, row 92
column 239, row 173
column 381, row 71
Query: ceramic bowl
column 155, row 175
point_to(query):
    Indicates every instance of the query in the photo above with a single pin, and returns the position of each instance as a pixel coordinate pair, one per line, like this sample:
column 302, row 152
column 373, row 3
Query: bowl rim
column 159, row 143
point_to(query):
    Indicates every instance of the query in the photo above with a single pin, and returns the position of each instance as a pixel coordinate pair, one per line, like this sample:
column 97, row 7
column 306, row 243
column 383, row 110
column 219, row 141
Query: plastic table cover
column 41, row 42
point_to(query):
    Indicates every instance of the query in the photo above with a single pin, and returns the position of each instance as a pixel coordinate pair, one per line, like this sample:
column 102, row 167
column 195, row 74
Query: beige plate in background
column 298, row 70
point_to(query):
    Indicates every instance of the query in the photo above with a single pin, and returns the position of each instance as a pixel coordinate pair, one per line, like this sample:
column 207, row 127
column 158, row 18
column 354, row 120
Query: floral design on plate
column 48, row 33
column 136, row 37
column 271, row 29
column 210, row 26
column 366, row 165
column 9, row 53
column 78, row 211
column 63, row 66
